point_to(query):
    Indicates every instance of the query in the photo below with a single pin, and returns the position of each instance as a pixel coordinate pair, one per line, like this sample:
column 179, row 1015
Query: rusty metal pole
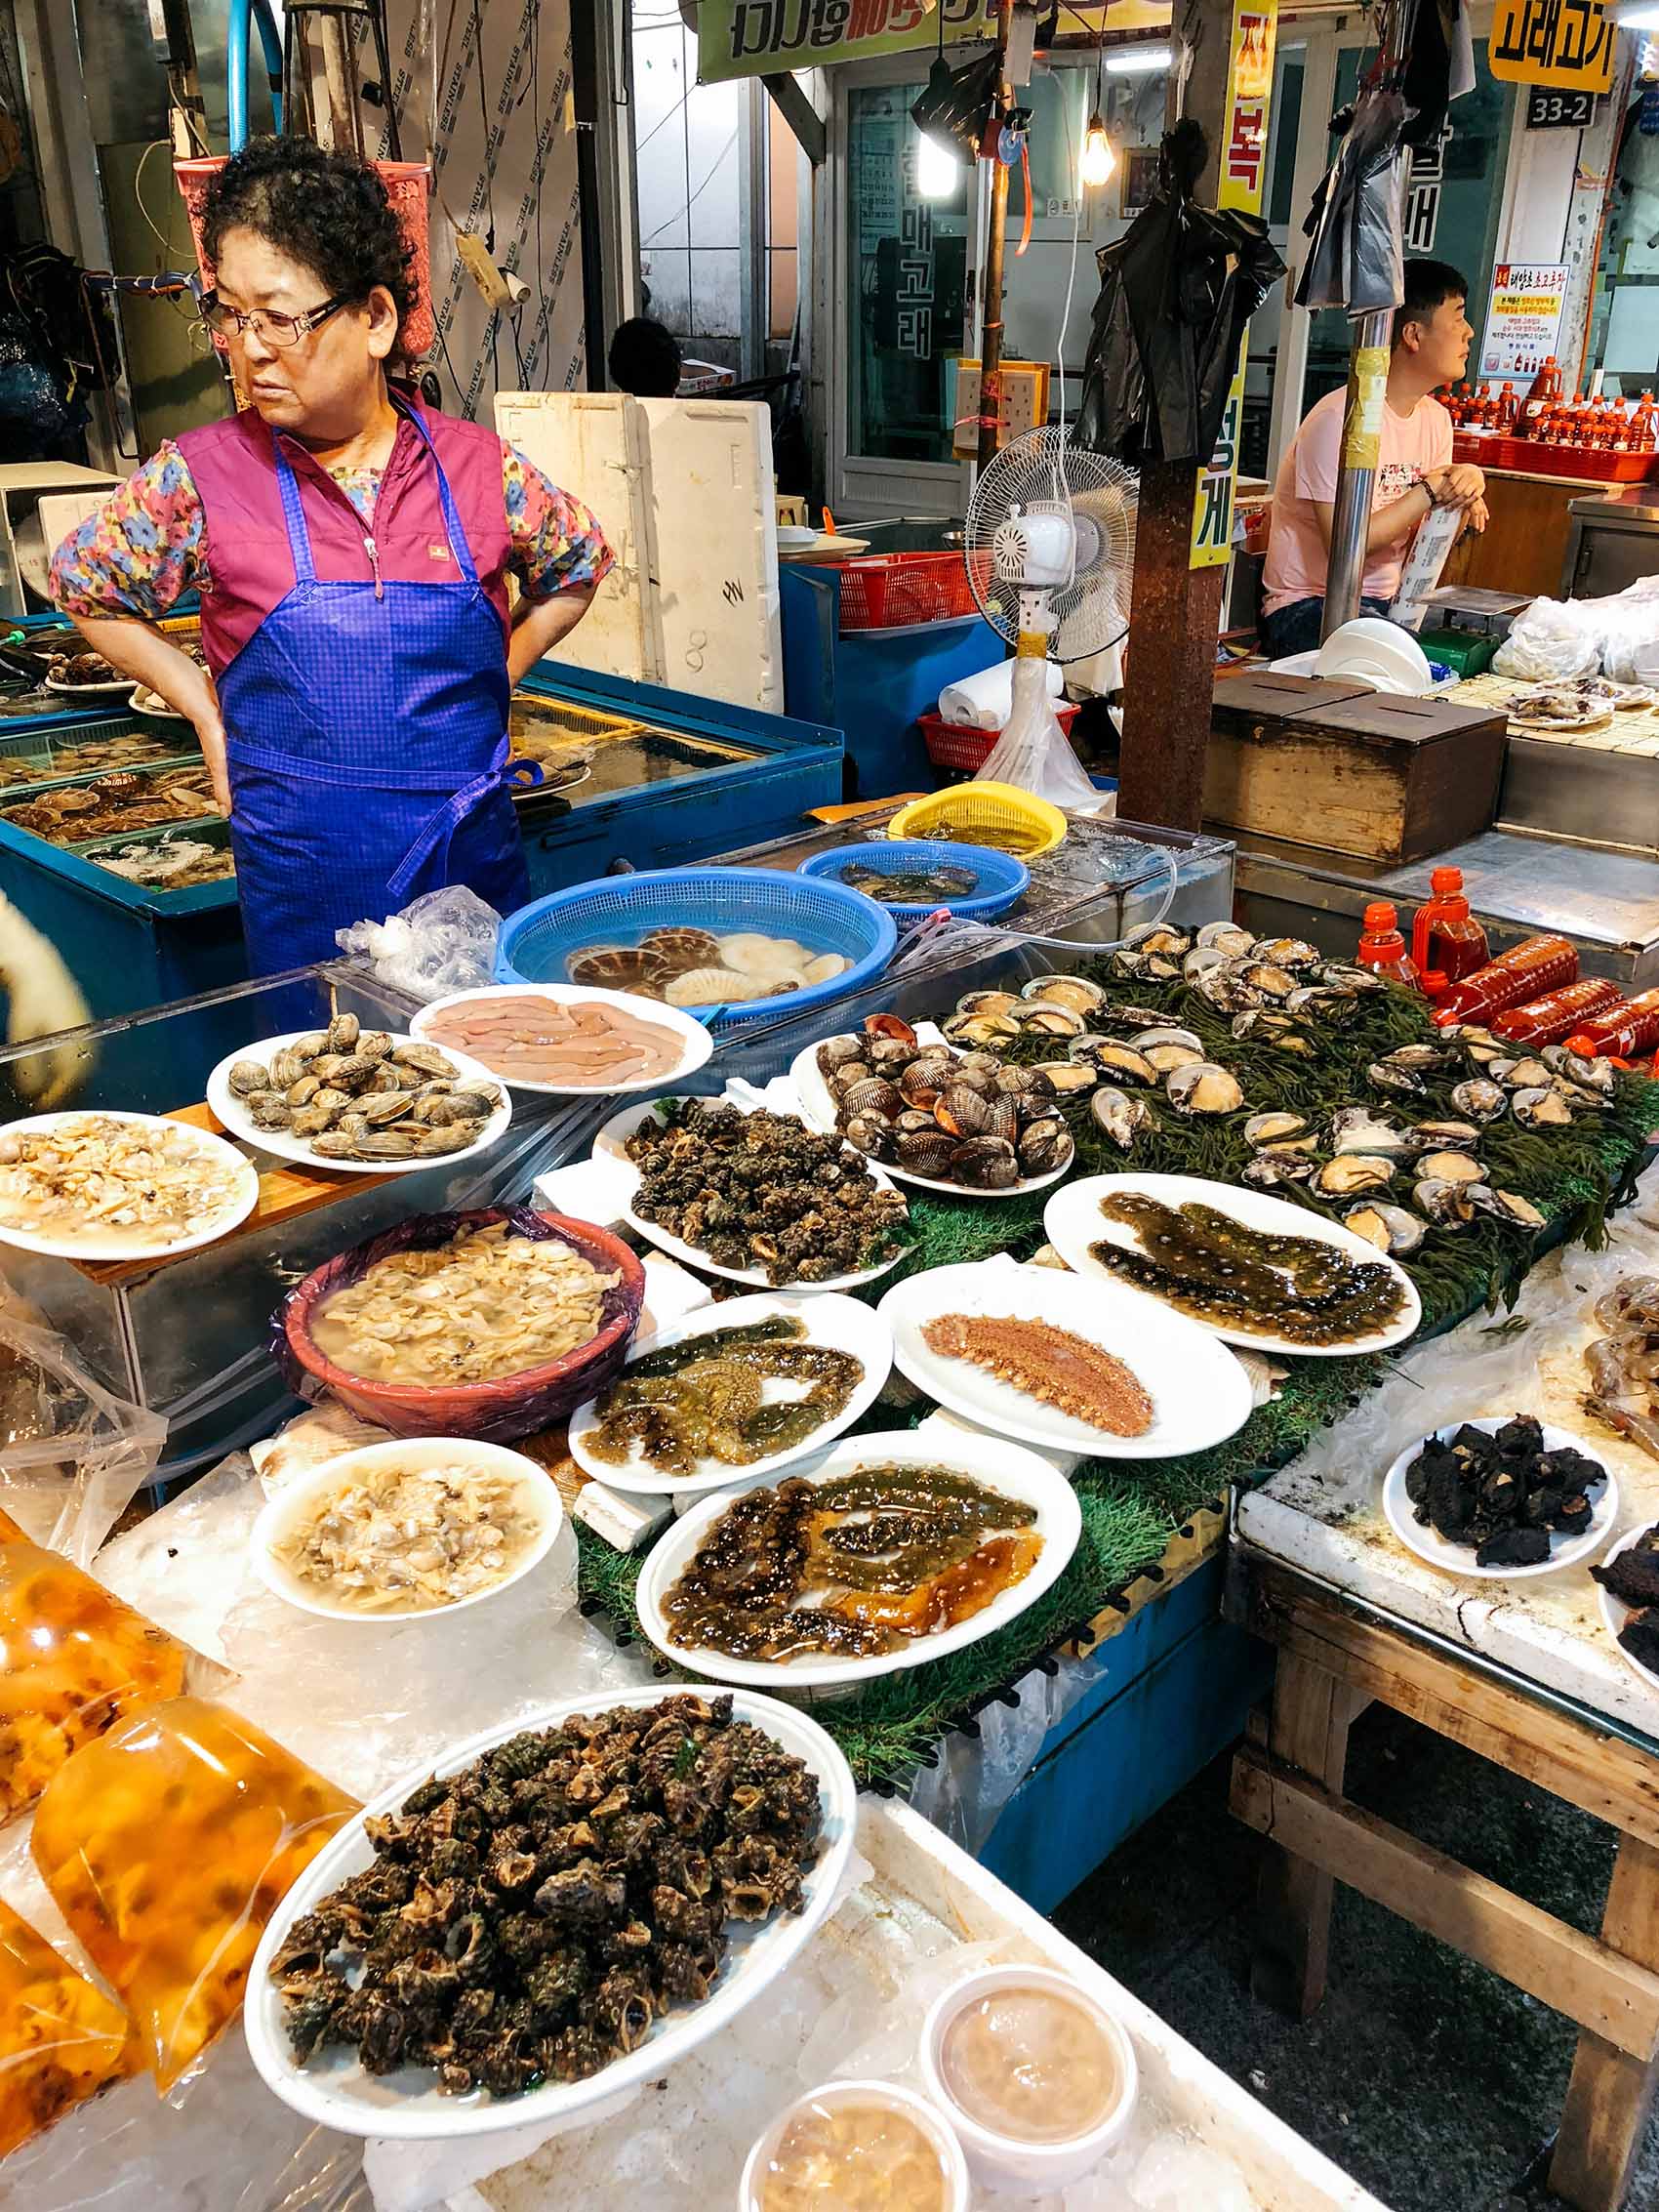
column 1175, row 612
column 990, row 324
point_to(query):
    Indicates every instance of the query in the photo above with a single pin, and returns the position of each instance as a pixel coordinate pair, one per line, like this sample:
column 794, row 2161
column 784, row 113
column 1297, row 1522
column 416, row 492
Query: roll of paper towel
column 982, row 701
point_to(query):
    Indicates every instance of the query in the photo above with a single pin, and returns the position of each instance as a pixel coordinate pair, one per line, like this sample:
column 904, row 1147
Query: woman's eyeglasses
column 224, row 322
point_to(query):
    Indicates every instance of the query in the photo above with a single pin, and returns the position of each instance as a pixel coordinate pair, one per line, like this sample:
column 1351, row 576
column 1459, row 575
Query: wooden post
column 1312, row 1713
column 1175, row 614
column 1610, row 2093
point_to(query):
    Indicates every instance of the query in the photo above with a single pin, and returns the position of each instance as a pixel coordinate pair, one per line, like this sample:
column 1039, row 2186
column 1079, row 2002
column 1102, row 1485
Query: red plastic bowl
column 502, row 1409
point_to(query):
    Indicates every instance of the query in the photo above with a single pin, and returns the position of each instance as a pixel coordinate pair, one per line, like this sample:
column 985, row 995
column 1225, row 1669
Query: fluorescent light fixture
column 1142, row 61
column 1641, row 14
column 1099, row 159
column 938, row 172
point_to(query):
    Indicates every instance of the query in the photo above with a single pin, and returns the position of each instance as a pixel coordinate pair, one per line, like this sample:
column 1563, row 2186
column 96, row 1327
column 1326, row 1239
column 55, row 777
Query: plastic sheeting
column 1556, row 639
column 1357, row 260
column 1176, row 292
column 444, row 941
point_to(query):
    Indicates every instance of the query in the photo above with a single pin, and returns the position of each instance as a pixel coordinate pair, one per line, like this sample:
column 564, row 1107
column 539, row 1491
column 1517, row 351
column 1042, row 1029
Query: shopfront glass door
column 908, row 295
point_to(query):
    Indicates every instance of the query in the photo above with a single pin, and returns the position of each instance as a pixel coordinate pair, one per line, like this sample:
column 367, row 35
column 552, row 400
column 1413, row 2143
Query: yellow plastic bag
column 167, row 1844
column 73, row 1658
column 61, row 2040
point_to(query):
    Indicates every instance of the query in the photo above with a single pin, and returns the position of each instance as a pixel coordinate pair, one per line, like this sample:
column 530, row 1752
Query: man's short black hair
column 1428, row 286
column 645, row 358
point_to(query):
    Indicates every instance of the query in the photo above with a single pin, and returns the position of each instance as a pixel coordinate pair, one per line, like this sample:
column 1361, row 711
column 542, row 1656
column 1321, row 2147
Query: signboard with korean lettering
column 1524, row 318
column 1552, row 42
column 756, row 38
column 1241, row 184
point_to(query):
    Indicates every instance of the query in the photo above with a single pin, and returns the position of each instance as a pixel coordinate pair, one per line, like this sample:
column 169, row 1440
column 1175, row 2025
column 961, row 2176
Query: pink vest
column 249, row 568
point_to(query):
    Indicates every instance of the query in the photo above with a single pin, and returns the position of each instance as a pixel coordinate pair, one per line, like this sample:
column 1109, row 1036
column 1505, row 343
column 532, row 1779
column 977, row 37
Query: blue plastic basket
column 1000, row 879
column 538, row 941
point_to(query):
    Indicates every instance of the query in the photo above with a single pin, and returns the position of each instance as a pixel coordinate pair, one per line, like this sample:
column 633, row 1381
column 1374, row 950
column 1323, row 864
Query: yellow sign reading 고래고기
column 1552, row 42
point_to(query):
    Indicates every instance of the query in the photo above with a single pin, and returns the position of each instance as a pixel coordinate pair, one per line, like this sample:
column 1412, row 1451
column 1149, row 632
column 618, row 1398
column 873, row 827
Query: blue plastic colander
column 538, row 941
column 1000, row 879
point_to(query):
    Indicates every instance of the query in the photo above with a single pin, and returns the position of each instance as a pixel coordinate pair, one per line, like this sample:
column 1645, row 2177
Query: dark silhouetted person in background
column 645, row 359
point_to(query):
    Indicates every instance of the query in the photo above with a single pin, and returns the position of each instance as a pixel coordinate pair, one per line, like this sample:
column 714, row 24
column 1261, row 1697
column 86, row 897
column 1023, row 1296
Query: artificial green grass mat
column 1132, row 1507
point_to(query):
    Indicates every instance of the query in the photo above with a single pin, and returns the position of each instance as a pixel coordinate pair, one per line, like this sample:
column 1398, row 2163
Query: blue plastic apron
column 366, row 732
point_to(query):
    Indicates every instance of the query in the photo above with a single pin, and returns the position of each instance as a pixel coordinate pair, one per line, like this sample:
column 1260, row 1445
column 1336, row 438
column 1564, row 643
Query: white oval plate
column 408, row 2106
column 1199, row 1392
column 612, row 1140
column 1073, row 1221
column 695, row 1042
column 114, row 1246
column 1002, row 1467
column 1615, row 1613
column 818, row 1111
column 122, row 686
column 1459, row 1558
column 282, row 1144
column 847, row 1325
column 301, row 1500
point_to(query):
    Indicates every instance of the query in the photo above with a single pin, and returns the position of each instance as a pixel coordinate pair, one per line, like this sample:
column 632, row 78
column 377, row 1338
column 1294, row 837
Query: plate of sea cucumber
column 1066, row 1361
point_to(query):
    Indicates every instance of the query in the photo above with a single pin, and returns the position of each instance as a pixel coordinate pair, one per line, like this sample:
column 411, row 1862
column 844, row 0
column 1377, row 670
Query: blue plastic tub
column 1000, row 877
column 539, row 940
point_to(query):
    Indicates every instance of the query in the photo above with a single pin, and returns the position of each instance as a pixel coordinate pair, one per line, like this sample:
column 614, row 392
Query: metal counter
column 1608, row 903
column 1612, row 540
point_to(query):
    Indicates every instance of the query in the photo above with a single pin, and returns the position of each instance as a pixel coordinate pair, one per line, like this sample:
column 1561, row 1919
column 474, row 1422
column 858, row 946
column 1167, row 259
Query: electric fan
column 1050, row 550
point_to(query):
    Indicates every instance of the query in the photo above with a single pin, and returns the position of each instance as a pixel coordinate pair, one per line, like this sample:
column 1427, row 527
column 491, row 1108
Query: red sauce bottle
column 1545, row 393
column 1381, row 947
column 1505, row 409
column 1447, row 942
column 1526, row 971
column 1619, row 1032
column 1546, row 1020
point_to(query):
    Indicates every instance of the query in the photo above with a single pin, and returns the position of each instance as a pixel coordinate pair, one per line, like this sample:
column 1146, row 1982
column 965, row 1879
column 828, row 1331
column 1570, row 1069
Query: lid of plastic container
column 1443, row 881
column 1379, row 917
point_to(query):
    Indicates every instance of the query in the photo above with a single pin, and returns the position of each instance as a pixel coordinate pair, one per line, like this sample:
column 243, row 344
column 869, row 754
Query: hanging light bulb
column 938, row 172
column 1099, row 158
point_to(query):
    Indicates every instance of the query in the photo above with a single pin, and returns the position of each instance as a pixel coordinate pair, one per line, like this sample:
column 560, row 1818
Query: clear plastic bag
column 71, row 1453
column 444, row 941
column 166, row 1845
column 1034, row 753
column 74, row 1659
column 62, row 2039
column 1552, row 642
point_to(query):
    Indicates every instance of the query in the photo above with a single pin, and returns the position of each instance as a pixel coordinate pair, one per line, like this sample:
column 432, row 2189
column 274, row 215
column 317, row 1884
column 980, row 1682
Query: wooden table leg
column 1312, row 1713
column 1611, row 2093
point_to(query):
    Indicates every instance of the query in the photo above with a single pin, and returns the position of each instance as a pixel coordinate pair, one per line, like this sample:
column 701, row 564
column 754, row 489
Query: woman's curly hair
column 328, row 211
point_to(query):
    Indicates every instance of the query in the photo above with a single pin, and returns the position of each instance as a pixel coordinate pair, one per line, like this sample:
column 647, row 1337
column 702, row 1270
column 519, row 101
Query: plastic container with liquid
column 1447, row 942
column 1547, row 1019
column 1624, row 1032
column 1526, row 971
column 1546, row 394
column 1383, row 948
column 1507, row 406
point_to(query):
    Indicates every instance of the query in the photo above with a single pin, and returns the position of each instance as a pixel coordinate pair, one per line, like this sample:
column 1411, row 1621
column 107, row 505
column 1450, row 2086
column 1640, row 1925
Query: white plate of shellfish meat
column 1199, row 1393
column 1565, row 1549
column 1617, row 1615
column 818, row 1111
column 231, row 1096
column 838, row 1324
column 1073, row 1222
column 1022, row 1478
column 336, row 2090
column 611, row 1144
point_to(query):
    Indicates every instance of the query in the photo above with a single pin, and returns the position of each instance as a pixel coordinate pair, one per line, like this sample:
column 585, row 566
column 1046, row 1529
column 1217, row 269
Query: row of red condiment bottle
column 1545, row 413
column 1532, row 995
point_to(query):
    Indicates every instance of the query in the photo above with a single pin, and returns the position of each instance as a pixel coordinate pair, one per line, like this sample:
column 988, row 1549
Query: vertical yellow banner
column 1243, row 183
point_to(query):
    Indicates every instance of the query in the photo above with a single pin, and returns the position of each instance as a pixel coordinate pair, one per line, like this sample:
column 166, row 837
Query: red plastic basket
column 959, row 745
column 1487, row 450
column 406, row 185
column 896, row 591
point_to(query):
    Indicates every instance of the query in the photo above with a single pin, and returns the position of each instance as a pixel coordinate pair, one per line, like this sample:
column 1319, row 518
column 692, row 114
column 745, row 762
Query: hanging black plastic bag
column 1176, row 293
column 1357, row 260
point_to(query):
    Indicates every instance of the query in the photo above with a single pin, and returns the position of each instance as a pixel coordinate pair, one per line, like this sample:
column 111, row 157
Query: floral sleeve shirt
column 146, row 545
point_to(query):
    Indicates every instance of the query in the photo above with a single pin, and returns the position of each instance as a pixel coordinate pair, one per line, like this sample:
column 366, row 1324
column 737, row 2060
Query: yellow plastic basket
column 994, row 815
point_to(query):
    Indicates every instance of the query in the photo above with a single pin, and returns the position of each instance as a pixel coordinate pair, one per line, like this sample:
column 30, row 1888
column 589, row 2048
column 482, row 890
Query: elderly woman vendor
column 351, row 548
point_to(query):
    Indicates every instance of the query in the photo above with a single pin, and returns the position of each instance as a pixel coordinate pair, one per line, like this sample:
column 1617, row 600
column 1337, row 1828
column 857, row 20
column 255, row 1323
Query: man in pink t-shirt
column 1415, row 470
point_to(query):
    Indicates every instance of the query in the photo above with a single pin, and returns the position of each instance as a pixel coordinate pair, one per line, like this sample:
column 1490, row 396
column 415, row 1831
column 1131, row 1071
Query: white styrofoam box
column 592, row 444
column 714, row 529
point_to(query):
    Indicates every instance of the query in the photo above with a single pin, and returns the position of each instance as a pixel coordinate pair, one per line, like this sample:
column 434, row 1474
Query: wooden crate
column 1346, row 769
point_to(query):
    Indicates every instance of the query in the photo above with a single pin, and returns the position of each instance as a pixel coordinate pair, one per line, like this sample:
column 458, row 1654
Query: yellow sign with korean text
column 1567, row 43
column 761, row 38
column 1241, row 184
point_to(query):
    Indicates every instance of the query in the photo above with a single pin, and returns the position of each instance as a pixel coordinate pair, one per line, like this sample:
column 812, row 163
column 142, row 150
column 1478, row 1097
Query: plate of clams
column 369, row 1102
column 933, row 1114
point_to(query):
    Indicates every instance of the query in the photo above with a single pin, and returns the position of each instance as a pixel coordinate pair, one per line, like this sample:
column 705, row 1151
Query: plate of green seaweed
column 883, row 1552
column 1500, row 1499
column 1258, row 1271
column 738, row 1391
